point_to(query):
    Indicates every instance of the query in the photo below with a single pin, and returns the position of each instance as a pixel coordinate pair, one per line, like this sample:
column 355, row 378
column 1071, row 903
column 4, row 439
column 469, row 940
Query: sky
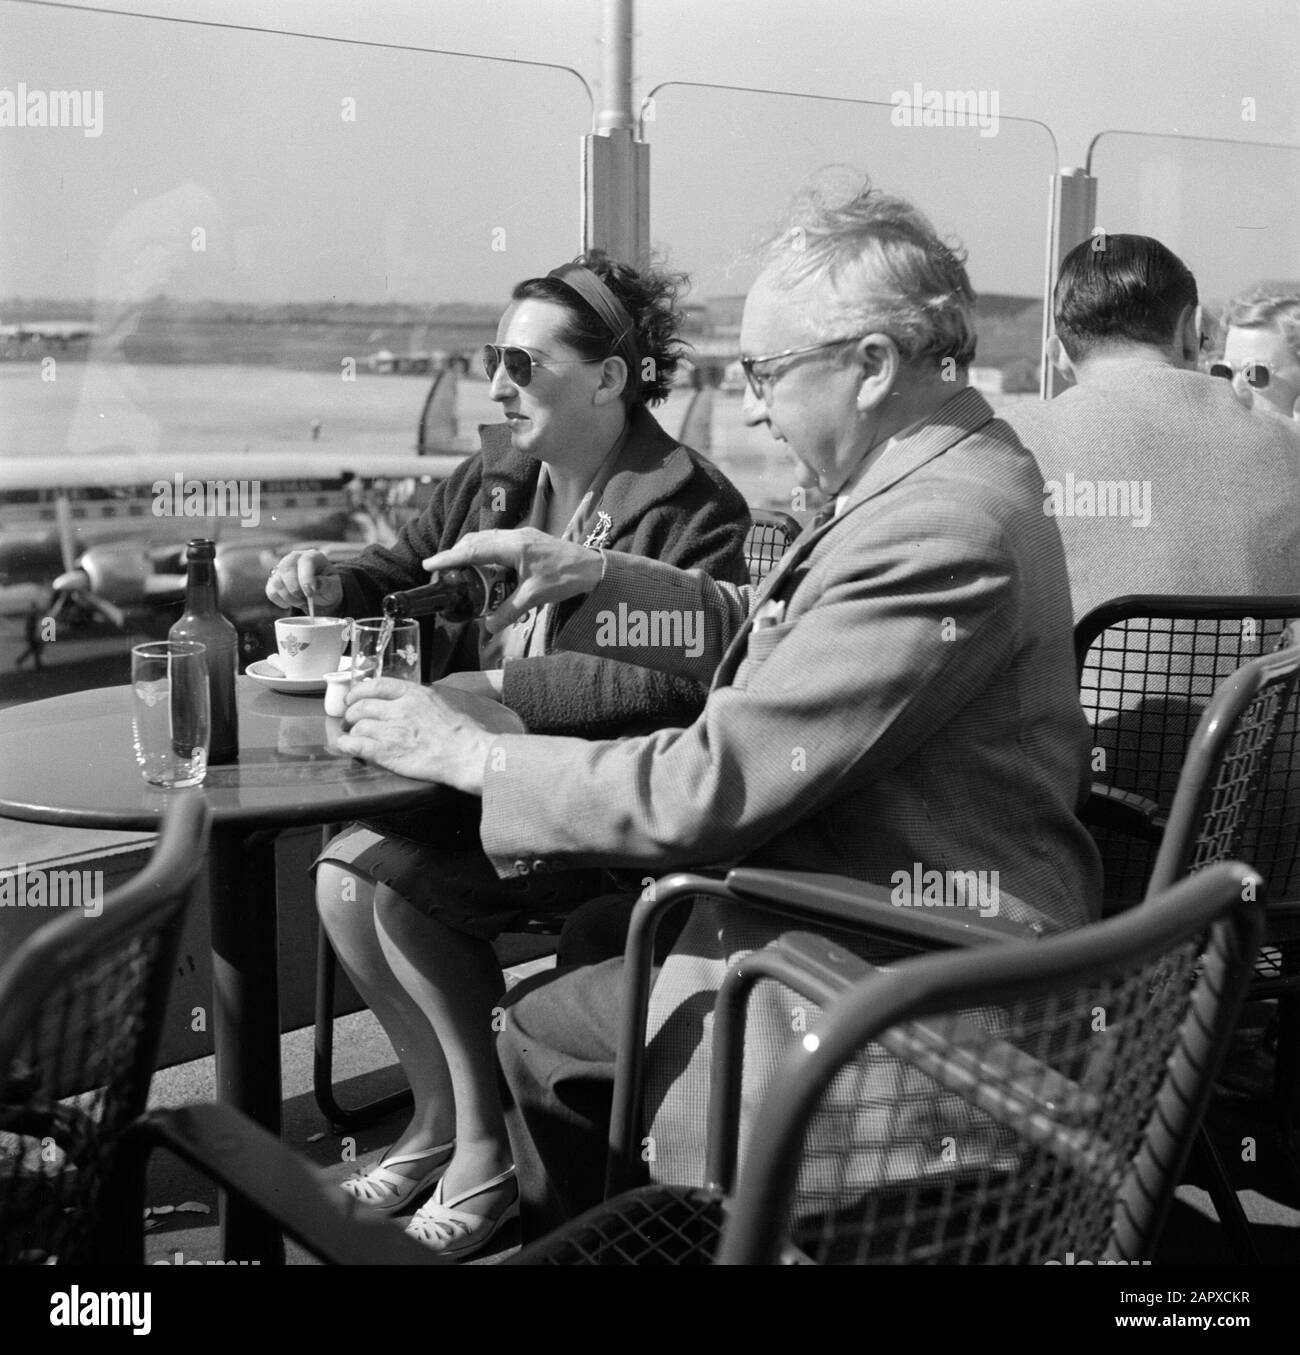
column 266, row 167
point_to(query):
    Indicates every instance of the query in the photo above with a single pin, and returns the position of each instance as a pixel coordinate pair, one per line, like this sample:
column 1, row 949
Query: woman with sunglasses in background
column 412, row 904
column 1261, row 349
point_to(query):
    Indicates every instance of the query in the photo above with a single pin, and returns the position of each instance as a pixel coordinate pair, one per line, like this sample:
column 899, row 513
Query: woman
column 412, row 905
column 1261, row 350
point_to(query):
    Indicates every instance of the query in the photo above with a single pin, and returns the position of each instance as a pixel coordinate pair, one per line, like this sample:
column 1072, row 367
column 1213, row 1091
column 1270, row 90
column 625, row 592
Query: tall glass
column 385, row 647
column 170, row 711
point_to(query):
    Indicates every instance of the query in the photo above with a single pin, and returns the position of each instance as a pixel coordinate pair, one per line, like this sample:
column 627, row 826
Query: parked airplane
column 61, row 332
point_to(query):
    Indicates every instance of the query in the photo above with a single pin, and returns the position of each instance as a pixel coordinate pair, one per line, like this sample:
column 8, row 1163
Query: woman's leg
column 455, row 981
column 348, row 910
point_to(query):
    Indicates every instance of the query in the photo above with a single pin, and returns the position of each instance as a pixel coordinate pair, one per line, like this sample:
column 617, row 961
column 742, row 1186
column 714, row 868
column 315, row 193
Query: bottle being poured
column 464, row 593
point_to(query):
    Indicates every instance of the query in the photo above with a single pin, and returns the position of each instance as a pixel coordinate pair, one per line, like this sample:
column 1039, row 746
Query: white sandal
column 389, row 1191
column 453, row 1232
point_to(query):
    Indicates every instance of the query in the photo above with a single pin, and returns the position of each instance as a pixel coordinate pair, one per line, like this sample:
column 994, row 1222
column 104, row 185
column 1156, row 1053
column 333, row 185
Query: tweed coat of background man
column 899, row 692
column 1216, row 508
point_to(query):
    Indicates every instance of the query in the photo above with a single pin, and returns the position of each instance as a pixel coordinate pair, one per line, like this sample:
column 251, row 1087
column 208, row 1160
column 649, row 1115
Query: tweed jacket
column 1222, row 489
column 664, row 500
column 1224, row 485
column 898, row 692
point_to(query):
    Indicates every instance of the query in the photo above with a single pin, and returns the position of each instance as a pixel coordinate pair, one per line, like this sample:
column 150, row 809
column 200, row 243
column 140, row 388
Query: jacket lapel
column 960, row 416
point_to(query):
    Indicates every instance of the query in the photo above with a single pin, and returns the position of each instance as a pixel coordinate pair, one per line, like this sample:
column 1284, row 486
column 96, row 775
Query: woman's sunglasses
column 519, row 362
column 1257, row 373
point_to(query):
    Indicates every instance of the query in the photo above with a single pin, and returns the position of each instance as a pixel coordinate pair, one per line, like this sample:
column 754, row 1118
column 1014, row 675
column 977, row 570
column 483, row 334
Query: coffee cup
column 310, row 646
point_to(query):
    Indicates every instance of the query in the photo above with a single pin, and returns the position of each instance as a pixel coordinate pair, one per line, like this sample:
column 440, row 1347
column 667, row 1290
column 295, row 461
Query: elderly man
column 898, row 695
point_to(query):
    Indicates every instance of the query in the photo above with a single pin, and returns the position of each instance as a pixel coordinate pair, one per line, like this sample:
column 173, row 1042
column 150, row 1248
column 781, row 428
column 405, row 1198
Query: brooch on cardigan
column 599, row 534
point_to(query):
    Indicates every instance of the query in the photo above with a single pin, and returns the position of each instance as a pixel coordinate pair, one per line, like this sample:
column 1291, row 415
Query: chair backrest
column 81, row 1008
column 1227, row 762
column 1015, row 1104
column 1148, row 665
column 768, row 539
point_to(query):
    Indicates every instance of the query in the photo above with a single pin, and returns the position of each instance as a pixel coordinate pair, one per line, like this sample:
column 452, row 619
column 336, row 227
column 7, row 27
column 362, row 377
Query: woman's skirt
column 433, row 859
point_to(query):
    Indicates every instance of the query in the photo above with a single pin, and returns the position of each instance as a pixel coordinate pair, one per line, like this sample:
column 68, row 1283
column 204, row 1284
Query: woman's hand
column 427, row 733
column 549, row 569
column 303, row 574
column 487, row 684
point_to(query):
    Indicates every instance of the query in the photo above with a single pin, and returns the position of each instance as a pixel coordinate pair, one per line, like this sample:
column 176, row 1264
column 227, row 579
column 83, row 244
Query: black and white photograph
column 649, row 633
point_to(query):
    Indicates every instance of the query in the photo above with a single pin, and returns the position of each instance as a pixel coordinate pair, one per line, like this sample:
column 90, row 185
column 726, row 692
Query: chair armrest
column 1110, row 807
column 244, row 1158
column 954, row 1050
column 808, row 898
column 859, row 906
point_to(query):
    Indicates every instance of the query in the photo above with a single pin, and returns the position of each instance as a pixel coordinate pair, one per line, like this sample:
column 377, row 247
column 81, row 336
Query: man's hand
column 549, row 569
column 426, row 733
column 302, row 574
column 488, row 684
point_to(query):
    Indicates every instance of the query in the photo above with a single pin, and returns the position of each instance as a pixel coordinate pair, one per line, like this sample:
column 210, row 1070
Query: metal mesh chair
column 1145, row 662
column 1014, row 1105
column 768, row 539
column 81, row 1007
column 1210, row 812
column 1068, row 1075
column 1148, row 665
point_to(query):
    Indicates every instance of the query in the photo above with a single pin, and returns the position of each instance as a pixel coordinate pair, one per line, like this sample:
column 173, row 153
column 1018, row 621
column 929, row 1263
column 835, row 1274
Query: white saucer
column 268, row 675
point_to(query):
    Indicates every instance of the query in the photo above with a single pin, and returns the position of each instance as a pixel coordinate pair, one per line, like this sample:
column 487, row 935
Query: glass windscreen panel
column 223, row 244
column 1226, row 208
column 726, row 164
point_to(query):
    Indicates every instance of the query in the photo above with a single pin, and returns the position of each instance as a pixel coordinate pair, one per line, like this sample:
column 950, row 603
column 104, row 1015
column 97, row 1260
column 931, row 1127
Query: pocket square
column 770, row 613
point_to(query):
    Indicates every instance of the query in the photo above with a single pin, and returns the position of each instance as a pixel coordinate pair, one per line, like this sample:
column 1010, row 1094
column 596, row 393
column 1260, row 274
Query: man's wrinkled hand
column 426, row 733
column 549, row 569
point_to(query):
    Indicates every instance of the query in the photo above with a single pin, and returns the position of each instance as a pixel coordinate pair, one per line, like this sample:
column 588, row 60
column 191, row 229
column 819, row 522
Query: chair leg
column 1232, row 1217
column 323, row 1062
column 1286, row 1081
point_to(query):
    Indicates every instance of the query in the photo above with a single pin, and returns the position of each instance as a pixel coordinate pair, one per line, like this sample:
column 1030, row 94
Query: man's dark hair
column 1120, row 289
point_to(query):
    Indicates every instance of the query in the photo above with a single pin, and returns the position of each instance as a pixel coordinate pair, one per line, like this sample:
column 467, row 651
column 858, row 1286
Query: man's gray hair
column 889, row 269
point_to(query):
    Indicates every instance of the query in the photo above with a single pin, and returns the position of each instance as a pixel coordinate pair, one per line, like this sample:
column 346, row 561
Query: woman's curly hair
column 649, row 296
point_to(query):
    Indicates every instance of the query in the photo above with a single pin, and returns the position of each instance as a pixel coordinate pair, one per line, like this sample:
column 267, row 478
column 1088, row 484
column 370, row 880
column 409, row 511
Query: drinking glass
column 170, row 711
column 383, row 647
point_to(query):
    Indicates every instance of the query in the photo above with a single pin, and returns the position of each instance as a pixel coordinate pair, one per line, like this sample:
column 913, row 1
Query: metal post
column 1073, row 214
column 615, row 165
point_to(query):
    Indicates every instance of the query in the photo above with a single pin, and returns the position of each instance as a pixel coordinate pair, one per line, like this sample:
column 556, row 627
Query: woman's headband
column 610, row 309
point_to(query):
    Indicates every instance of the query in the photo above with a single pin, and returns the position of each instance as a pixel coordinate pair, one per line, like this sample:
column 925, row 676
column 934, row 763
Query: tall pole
column 1070, row 222
column 615, row 165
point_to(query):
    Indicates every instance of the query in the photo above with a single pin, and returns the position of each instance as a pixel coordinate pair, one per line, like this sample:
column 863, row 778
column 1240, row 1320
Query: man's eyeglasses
column 757, row 379
column 519, row 362
column 1257, row 373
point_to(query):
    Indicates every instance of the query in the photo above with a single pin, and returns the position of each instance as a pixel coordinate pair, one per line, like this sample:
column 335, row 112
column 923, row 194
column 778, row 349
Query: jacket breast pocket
column 758, row 649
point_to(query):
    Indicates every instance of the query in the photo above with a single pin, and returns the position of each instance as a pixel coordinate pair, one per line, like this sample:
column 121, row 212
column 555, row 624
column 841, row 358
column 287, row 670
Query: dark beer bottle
column 459, row 594
column 202, row 621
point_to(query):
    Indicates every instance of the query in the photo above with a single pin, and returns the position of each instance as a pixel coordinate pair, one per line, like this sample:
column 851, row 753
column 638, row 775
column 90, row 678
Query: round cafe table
column 69, row 761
